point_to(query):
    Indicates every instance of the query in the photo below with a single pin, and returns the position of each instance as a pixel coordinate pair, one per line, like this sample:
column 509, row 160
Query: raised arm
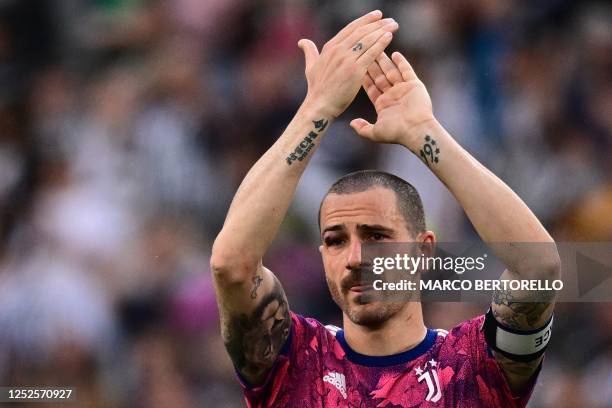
column 405, row 117
column 254, row 311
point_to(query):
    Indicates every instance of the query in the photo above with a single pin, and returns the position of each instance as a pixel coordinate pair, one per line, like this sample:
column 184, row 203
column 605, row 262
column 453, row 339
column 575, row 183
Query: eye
column 333, row 241
column 377, row 236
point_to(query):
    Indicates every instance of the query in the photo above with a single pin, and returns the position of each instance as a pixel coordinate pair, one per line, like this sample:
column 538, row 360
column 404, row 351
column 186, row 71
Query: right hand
column 335, row 76
column 403, row 106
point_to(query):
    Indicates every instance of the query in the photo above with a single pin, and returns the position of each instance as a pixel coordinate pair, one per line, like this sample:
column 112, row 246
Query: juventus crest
column 429, row 374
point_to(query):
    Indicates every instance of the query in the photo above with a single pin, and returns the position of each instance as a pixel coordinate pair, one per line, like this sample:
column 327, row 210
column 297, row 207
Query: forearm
column 262, row 200
column 333, row 78
column 496, row 212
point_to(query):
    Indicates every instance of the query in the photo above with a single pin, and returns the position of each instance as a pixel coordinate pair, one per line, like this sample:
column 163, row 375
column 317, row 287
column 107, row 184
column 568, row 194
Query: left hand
column 401, row 101
column 335, row 75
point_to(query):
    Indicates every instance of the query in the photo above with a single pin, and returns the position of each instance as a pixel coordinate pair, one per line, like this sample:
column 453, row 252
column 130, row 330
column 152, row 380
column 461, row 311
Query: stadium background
column 126, row 127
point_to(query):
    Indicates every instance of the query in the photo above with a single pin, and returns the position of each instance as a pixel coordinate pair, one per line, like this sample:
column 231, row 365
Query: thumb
column 310, row 51
column 363, row 128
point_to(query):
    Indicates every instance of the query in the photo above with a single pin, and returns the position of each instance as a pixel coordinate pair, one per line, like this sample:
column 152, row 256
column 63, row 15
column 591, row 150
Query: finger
column 378, row 76
column 363, row 20
column 388, row 67
column 371, row 89
column 363, row 128
column 310, row 52
column 371, row 53
column 370, row 39
column 404, row 67
column 358, row 35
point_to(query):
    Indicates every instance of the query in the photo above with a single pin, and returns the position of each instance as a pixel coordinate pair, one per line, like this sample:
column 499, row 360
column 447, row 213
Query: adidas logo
column 337, row 380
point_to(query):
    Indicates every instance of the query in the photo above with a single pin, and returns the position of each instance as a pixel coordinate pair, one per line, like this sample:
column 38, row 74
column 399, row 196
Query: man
column 384, row 356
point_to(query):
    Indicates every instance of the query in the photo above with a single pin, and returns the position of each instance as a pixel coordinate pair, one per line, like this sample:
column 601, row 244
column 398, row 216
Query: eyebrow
column 337, row 227
column 375, row 227
column 363, row 227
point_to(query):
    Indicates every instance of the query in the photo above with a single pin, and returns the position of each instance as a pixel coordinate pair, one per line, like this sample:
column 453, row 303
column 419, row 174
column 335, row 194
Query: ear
column 426, row 237
column 427, row 243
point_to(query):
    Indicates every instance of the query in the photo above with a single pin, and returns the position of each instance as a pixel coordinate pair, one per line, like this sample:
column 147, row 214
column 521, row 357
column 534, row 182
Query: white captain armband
column 517, row 345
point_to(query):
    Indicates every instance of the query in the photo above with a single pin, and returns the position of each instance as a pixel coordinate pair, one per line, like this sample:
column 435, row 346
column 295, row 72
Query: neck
column 402, row 332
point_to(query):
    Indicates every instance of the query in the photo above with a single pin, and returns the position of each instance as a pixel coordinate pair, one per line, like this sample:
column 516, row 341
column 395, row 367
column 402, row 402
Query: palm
column 401, row 101
column 406, row 100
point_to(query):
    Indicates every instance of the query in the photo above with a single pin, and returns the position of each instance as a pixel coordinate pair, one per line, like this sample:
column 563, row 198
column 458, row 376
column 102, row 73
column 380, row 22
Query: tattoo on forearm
column 306, row 145
column 256, row 284
column 254, row 341
column 320, row 124
column 521, row 314
column 430, row 152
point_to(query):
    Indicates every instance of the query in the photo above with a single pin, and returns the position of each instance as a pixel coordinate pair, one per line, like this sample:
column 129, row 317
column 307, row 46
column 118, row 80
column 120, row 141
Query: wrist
column 415, row 133
column 318, row 108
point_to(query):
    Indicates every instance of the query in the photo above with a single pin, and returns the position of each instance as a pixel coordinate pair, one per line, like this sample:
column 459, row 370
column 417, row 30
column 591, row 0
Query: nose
column 354, row 255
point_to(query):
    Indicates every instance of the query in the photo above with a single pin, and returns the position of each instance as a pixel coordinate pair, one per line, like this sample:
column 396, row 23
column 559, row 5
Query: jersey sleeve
column 492, row 385
column 297, row 355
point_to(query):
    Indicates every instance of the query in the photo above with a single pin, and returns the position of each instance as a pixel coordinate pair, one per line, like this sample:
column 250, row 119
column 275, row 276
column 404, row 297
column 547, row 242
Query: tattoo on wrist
column 430, row 152
column 306, row 145
column 257, row 283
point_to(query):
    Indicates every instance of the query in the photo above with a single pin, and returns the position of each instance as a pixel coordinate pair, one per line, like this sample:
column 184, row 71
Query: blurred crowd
column 127, row 125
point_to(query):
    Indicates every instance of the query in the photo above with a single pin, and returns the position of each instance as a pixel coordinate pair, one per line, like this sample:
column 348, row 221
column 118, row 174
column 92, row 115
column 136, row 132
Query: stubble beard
column 371, row 310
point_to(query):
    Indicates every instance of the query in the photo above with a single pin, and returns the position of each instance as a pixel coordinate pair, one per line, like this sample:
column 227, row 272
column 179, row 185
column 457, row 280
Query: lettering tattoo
column 521, row 314
column 256, row 284
column 306, row 145
column 254, row 341
column 430, row 151
column 358, row 47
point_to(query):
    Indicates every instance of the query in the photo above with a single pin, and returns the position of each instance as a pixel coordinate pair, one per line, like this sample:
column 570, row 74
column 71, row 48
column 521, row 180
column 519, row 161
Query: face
column 347, row 221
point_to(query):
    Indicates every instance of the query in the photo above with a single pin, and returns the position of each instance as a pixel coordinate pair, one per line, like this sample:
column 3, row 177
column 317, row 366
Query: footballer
column 384, row 355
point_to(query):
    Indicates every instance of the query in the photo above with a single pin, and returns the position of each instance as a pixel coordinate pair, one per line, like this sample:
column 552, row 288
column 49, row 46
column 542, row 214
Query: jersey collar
column 391, row 360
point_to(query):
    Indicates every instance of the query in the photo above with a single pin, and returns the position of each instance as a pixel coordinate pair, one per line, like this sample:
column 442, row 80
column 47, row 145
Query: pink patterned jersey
column 317, row 368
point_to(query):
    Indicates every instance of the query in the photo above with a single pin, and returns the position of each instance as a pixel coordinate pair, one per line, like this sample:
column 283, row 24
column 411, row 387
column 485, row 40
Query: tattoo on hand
column 358, row 47
column 430, row 152
column 257, row 283
column 302, row 150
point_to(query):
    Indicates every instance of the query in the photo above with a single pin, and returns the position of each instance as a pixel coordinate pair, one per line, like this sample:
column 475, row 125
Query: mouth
column 360, row 288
